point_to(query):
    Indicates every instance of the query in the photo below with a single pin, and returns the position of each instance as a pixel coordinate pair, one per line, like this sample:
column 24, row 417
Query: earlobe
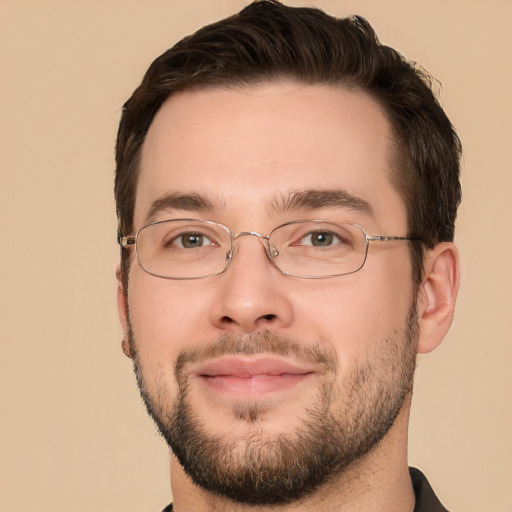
column 125, row 345
column 122, row 308
column 437, row 295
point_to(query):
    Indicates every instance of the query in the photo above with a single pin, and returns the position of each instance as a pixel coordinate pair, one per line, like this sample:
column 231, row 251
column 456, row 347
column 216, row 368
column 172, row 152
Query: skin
column 244, row 149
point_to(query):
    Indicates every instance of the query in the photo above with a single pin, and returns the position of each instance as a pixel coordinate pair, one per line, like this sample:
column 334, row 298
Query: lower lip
column 253, row 385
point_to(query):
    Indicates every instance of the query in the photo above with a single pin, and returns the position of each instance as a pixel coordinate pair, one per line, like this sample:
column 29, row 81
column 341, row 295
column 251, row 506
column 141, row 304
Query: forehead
column 245, row 148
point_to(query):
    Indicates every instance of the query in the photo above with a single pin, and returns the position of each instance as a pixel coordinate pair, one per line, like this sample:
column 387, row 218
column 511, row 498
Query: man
column 286, row 189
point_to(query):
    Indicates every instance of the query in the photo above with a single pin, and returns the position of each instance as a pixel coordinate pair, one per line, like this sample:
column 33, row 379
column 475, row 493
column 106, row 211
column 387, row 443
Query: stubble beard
column 343, row 424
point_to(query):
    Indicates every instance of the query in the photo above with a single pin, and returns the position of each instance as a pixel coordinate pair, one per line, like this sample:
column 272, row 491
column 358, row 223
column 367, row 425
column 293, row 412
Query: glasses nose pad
column 273, row 252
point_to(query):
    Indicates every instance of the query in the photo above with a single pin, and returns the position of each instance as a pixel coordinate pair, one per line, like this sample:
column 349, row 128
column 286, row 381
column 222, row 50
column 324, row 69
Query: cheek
column 355, row 311
column 165, row 317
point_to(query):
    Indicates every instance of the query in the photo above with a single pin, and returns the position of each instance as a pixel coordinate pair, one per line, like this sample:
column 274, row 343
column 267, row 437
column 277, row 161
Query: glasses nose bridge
column 249, row 233
column 264, row 240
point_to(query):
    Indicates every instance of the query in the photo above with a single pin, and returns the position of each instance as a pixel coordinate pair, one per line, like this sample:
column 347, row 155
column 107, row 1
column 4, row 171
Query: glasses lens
column 318, row 248
column 183, row 249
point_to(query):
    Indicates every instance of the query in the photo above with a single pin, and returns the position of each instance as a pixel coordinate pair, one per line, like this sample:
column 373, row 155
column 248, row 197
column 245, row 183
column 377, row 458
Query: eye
column 320, row 239
column 190, row 241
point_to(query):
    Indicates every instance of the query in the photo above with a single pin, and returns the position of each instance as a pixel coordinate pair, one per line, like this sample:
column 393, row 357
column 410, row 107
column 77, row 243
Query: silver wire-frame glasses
column 198, row 249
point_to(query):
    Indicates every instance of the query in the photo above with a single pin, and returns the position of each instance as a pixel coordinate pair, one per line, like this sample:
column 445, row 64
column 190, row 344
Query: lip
column 250, row 376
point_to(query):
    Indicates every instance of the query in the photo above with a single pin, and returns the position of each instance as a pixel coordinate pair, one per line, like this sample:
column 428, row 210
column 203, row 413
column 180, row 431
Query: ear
column 122, row 307
column 437, row 295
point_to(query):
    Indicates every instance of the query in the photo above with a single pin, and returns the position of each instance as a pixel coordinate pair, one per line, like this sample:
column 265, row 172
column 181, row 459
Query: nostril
column 268, row 317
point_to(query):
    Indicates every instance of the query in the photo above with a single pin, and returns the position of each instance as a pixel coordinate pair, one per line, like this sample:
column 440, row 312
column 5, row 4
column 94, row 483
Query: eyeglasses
column 197, row 249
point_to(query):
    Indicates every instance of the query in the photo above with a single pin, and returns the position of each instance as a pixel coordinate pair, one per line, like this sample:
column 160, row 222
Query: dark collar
column 426, row 499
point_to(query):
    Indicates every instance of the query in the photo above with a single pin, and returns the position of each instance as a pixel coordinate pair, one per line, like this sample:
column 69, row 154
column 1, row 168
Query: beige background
column 73, row 434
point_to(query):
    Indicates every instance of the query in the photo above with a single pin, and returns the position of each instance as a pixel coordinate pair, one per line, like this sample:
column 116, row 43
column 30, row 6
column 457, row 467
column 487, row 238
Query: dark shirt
column 426, row 500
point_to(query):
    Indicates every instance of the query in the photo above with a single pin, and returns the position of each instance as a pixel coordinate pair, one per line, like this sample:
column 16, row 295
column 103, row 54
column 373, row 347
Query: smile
column 249, row 377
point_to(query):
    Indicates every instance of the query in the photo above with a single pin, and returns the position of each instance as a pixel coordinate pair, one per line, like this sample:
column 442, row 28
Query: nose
column 252, row 294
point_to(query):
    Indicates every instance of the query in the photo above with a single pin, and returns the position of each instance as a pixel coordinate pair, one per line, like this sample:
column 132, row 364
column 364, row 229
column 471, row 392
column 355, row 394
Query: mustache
column 263, row 342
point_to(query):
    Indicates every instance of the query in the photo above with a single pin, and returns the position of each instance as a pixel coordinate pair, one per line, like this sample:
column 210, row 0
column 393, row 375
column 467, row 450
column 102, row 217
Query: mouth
column 251, row 377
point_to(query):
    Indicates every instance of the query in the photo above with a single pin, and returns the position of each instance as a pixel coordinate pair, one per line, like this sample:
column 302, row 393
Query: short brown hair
column 268, row 41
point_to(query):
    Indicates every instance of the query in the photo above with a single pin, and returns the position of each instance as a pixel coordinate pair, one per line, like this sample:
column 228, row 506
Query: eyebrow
column 316, row 199
column 177, row 201
column 302, row 200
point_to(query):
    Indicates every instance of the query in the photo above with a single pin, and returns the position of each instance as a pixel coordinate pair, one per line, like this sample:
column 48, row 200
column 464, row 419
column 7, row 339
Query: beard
column 345, row 421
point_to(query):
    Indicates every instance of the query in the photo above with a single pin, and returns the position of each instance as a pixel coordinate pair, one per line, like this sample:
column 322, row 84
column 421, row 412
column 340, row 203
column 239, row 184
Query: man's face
column 253, row 373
